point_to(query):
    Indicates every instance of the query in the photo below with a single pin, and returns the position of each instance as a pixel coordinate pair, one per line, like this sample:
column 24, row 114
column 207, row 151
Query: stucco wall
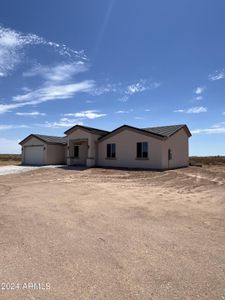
column 83, row 153
column 56, row 154
column 126, row 145
column 87, row 151
column 35, row 142
column 178, row 143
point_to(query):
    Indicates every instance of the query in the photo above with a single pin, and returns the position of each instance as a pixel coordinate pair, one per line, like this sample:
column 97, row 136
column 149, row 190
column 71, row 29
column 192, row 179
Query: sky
column 106, row 63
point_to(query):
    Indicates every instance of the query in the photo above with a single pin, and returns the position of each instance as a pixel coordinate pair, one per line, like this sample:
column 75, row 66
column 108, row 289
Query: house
column 158, row 148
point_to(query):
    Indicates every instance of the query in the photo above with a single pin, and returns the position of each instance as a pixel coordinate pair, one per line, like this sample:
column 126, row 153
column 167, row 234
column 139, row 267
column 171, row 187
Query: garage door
column 34, row 155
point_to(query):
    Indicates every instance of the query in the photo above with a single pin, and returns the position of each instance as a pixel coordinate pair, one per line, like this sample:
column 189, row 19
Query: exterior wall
column 83, row 153
column 35, row 142
column 178, row 143
column 89, row 150
column 55, row 154
column 126, row 145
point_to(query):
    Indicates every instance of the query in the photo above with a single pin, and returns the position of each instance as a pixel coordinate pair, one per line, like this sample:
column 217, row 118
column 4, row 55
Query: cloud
column 215, row 129
column 141, row 86
column 124, row 111
column 63, row 122
column 218, row 125
column 125, row 91
column 199, row 90
column 217, row 75
column 139, row 118
column 9, row 107
column 199, row 97
column 223, row 113
column 87, row 114
column 192, row 110
column 147, row 109
column 52, row 92
column 123, row 98
column 13, row 43
column 108, row 88
column 9, row 146
column 57, row 73
column 30, row 114
column 9, row 126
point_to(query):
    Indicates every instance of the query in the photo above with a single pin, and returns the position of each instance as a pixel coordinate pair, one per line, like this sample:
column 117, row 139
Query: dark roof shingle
column 165, row 131
column 90, row 129
column 47, row 138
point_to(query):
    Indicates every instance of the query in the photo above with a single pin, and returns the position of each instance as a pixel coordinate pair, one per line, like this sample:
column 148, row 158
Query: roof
column 90, row 129
column 47, row 139
column 162, row 132
column 167, row 131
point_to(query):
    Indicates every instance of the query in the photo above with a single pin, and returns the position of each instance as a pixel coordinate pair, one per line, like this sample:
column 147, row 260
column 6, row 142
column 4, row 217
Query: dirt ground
column 113, row 234
column 9, row 162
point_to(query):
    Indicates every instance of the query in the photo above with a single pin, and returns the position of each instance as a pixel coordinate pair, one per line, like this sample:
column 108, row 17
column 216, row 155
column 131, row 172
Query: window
column 142, row 150
column 111, row 151
column 76, row 151
column 169, row 154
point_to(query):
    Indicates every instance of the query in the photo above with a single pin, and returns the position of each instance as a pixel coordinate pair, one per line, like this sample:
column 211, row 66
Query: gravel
column 5, row 170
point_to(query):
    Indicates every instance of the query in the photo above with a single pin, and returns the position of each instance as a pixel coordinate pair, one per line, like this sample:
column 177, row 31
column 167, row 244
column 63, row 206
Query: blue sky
column 105, row 63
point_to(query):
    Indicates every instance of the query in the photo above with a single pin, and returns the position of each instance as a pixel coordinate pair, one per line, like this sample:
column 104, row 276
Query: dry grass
column 10, row 159
column 207, row 160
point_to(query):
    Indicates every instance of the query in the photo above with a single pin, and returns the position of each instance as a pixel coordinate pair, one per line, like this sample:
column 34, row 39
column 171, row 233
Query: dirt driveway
column 112, row 234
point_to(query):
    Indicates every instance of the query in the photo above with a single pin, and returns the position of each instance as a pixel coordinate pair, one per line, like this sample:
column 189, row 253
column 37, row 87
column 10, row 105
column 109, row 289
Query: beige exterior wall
column 178, row 143
column 88, row 149
column 35, row 142
column 83, row 153
column 56, row 154
column 126, row 147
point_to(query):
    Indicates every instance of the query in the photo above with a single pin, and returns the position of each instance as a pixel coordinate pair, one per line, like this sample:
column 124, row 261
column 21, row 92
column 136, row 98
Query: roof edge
column 156, row 135
column 39, row 138
column 86, row 128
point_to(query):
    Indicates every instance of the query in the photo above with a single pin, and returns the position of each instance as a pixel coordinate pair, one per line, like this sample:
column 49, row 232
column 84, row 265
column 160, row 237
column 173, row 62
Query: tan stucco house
column 158, row 148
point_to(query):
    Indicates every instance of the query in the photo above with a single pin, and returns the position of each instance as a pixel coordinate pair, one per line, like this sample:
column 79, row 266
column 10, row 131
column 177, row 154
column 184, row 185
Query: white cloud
column 57, row 73
column 63, row 122
column 12, row 44
column 147, row 109
column 199, row 90
column 9, row 146
column 192, row 110
column 124, row 98
column 139, row 118
column 52, row 92
column 9, row 107
column 30, row 114
column 218, row 125
column 217, row 75
column 108, row 88
column 215, row 129
column 87, row 114
column 124, row 111
column 9, row 126
column 141, row 86
column 199, row 97
column 224, row 113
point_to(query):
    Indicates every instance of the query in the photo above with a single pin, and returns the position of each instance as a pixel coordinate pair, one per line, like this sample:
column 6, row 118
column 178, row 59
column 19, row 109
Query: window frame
column 142, row 151
column 111, row 151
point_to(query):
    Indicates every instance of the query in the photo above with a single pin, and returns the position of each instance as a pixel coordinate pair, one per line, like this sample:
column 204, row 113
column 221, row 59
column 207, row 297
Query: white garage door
column 34, row 155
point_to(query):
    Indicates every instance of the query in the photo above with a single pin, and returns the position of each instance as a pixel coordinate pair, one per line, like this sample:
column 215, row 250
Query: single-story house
column 158, row 148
